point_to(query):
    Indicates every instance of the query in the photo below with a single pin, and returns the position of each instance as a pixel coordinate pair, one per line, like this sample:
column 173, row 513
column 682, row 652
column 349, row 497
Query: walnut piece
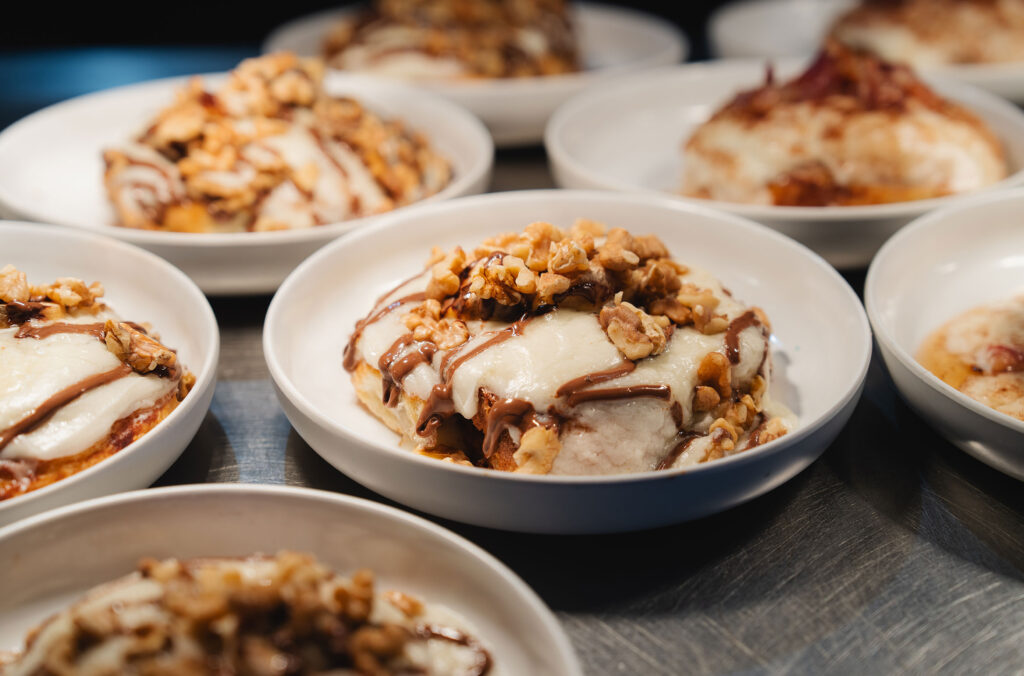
column 538, row 448
column 70, row 293
column 635, row 333
column 13, row 285
column 444, row 275
column 137, row 349
column 426, row 324
column 715, row 371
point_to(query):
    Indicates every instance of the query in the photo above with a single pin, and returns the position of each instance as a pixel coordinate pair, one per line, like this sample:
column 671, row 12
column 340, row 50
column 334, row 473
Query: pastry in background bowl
column 583, row 351
column 456, row 39
column 981, row 353
column 926, row 33
column 77, row 383
column 850, row 130
column 285, row 614
column 267, row 150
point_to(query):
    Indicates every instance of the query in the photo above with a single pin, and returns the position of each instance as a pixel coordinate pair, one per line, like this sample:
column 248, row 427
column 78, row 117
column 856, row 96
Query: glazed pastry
column 981, row 353
column 287, row 614
column 925, row 33
column 77, row 384
column 267, row 150
column 456, row 39
column 584, row 351
column 850, row 130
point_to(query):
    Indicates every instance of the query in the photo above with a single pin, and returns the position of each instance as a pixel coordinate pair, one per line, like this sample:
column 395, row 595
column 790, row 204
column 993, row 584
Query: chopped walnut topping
column 715, row 371
column 772, row 430
column 137, row 349
column 723, row 437
column 444, row 275
column 409, row 605
column 538, row 448
column 705, row 398
column 426, row 323
column 634, row 332
column 616, row 253
column 13, row 285
column 70, row 293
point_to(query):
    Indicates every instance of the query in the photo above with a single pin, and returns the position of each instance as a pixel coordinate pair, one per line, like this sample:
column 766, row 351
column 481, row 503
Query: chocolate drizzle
column 40, row 332
column 425, row 632
column 625, row 392
column 349, row 355
column 732, row 334
column 682, row 444
column 19, row 312
column 575, row 384
column 394, row 367
column 439, row 404
column 504, row 414
column 59, row 399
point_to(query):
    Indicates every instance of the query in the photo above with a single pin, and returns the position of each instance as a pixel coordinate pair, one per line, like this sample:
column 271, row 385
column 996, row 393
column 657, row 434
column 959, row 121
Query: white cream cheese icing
column 32, row 370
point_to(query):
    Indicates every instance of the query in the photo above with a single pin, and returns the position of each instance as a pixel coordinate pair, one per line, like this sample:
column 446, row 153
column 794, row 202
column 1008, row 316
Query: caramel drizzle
column 681, row 445
column 349, row 355
column 575, row 384
column 439, row 404
column 61, row 398
column 484, row 662
column 732, row 334
column 41, row 332
column 19, row 312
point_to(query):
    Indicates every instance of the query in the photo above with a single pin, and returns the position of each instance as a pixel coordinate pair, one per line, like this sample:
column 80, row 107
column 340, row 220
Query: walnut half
column 634, row 332
column 137, row 349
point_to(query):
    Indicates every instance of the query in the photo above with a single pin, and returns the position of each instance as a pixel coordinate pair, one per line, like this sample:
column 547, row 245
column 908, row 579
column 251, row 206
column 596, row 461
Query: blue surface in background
column 30, row 80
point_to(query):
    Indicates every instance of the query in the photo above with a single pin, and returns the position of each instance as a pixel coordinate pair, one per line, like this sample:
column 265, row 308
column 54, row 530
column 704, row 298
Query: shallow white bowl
column 613, row 41
column 51, row 171
column 931, row 271
column 105, row 539
column 819, row 327
column 797, row 27
column 629, row 136
column 140, row 287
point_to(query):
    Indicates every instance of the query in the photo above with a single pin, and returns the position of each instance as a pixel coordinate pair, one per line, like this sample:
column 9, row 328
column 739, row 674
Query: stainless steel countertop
column 894, row 552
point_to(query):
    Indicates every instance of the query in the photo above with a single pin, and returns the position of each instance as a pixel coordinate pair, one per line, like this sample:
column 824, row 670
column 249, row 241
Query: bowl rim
column 889, row 255
column 970, row 96
column 206, row 373
column 678, row 51
column 241, row 492
column 409, row 98
column 288, row 390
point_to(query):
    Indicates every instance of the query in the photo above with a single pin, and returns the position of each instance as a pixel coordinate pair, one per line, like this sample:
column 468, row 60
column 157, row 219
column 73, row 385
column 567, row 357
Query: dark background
column 51, row 52
column 238, row 24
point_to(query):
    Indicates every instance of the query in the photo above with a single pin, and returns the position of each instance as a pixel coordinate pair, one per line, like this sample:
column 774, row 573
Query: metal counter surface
column 894, row 552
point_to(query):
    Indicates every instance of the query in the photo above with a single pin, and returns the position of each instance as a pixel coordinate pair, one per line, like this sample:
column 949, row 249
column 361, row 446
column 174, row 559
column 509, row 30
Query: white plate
column 796, row 28
column 819, row 326
column 630, row 136
column 106, row 538
column 51, row 171
column 613, row 41
column 142, row 288
column 930, row 272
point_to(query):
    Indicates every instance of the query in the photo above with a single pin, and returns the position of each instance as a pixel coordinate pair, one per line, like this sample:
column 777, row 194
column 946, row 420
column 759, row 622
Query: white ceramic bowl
column 140, row 287
column 629, row 137
column 930, row 272
column 819, row 327
column 613, row 41
column 797, row 27
column 51, row 171
column 105, row 539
